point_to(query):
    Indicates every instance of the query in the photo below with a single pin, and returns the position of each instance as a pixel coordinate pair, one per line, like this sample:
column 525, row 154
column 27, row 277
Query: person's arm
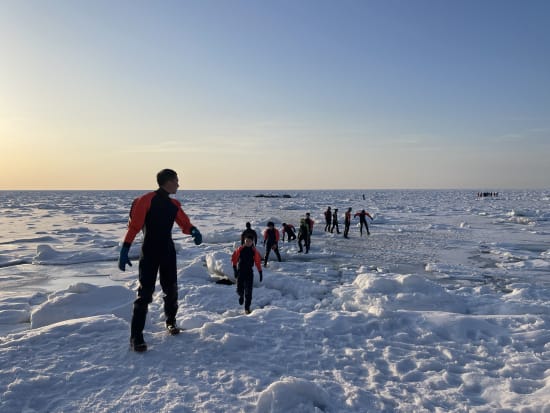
column 258, row 263
column 235, row 256
column 234, row 261
column 182, row 219
column 139, row 212
column 185, row 224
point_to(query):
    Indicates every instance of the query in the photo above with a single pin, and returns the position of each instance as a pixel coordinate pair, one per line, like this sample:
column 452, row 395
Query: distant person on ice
column 243, row 259
column 271, row 241
column 304, row 235
column 363, row 220
column 335, row 222
column 310, row 222
column 249, row 231
column 155, row 214
column 328, row 219
column 289, row 231
column 347, row 222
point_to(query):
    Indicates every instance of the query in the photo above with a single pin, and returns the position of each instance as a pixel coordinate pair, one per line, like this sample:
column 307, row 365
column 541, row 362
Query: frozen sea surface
column 444, row 307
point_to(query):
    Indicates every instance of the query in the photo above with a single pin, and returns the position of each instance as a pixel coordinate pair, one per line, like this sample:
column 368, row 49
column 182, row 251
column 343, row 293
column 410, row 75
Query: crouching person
column 243, row 259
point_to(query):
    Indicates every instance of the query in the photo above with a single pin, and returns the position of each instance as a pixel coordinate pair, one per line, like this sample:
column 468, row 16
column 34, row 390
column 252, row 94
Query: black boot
column 173, row 330
column 137, row 343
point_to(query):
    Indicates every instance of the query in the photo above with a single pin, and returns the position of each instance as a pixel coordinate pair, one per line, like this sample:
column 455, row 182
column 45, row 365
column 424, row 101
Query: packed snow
column 444, row 307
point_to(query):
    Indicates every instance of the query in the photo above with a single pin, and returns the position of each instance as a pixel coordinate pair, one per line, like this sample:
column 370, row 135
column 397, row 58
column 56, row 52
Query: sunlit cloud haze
column 275, row 94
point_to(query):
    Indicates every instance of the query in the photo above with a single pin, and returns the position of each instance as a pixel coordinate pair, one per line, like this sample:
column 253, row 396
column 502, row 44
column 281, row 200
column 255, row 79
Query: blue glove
column 196, row 235
column 261, row 276
column 123, row 258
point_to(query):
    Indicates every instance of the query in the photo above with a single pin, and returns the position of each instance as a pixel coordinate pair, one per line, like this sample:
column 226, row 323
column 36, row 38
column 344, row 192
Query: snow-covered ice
column 444, row 307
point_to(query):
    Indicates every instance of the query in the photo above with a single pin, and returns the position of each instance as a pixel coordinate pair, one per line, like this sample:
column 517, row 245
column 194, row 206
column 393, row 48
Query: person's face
column 172, row 185
column 248, row 242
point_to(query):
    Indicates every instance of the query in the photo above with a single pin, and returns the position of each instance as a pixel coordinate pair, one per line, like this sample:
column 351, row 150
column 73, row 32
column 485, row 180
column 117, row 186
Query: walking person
column 251, row 232
column 155, row 213
column 335, row 222
column 363, row 220
column 328, row 219
column 310, row 222
column 289, row 231
column 347, row 222
column 304, row 235
column 243, row 260
column 271, row 242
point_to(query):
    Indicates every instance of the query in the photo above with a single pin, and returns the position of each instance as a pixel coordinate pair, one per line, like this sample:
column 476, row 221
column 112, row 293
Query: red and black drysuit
column 328, row 219
column 249, row 232
column 347, row 222
column 288, row 229
column 363, row 220
column 271, row 242
column 243, row 259
column 155, row 214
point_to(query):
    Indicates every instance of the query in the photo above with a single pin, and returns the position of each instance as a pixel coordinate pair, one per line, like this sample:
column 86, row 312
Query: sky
column 283, row 94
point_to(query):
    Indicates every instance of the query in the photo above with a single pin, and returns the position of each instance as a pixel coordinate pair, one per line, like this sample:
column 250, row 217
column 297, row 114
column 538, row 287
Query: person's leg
column 169, row 282
column 248, row 285
column 277, row 253
column 267, row 252
column 148, row 267
column 240, row 288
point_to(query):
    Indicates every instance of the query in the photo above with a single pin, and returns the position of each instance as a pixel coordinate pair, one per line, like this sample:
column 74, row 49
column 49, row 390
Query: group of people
column 331, row 221
column 155, row 213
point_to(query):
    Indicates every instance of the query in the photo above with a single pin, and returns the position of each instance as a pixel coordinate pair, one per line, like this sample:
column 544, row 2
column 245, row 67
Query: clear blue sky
column 275, row 94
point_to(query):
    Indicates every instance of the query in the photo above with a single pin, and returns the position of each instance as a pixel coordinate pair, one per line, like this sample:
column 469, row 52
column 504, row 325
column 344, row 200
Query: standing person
column 289, row 230
column 304, row 235
column 271, row 241
column 243, row 259
column 309, row 222
column 335, row 221
column 347, row 222
column 328, row 219
column 249, row 231
column 155, row 213
column 363, row 220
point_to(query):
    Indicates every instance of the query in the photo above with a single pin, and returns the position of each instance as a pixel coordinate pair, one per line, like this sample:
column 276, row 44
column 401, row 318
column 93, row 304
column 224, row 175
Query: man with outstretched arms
column 155, row 213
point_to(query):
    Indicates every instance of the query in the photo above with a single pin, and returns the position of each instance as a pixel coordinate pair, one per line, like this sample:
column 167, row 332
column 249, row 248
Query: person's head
column 302, row 221
column 284, row 224
column 363, row 211
column 248, row 240
column 307, row 214
column 167, row 179
column 248, row 225
column 270, row 224
column 335, row 209
column 349, row 209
